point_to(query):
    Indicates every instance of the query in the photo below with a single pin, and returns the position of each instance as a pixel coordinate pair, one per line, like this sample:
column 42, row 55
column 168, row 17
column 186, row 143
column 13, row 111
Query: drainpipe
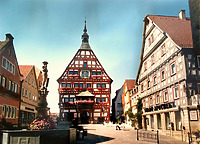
column 189, row 122
column 20, row 99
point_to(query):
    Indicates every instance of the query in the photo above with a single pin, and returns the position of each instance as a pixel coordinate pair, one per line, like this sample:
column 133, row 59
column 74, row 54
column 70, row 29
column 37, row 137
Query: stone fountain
column 43, row 129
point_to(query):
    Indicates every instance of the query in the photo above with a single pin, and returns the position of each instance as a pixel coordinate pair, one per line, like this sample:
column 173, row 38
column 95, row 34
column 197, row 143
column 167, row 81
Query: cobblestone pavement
column 97, row 133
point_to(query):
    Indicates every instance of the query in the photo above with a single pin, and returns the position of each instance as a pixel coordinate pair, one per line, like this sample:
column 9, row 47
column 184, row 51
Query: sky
column 50, row 30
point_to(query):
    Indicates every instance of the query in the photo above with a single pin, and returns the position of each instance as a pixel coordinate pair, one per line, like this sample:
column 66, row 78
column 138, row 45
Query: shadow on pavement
column 93, row 139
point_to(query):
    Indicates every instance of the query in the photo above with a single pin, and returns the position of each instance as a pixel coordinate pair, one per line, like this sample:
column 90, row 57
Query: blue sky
column 51, row 30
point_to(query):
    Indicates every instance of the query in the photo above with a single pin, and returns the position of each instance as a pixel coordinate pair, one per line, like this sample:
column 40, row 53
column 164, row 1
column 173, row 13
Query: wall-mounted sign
column 193, row 115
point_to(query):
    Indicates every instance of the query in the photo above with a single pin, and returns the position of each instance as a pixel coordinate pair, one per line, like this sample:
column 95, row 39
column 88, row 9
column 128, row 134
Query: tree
column 139, row 112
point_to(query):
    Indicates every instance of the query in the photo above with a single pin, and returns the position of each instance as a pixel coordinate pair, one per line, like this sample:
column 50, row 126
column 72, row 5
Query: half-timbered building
column 168, row 76
column 85, row 87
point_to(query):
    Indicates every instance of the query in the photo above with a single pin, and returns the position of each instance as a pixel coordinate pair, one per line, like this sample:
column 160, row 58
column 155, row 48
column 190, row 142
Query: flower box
column 80, row 88
column 99, row 88
column 103, row 88
column 76, row 88
column 67, row 88
column 89, row 88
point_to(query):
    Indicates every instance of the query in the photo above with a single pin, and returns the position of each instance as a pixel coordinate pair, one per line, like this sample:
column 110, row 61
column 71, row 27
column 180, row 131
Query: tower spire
column 85, row 36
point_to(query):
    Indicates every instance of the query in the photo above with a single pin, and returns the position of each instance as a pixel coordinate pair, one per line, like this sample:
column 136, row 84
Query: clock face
column 85, row 74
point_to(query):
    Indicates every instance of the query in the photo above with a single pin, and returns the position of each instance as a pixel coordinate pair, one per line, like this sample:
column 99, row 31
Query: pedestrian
column 117, row 126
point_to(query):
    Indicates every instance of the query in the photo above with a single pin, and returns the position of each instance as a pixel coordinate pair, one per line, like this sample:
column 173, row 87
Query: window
column 75, row 72
column 23, row 93
column 13, row 86
column 145, row 66
column 103, row 100
column 4, row 63
column 154, row 80
column 16, row 88
column 71, row 100
column 71, row 72
column 29, row 95
column 75, row 85
column 98, row 99
column 93, row 73
column 63, row 85
column 157, row 99
column 173, row 68
column 3, row 82
column 26, row 93
column 148, row 84
column 152, row 38
column 176, row 92
column 163, row 75
column 152, row 60
column 9, row 85
column 103, row 85
column 150, row 101
column 165, row 96
column 4, row 111
column 66, row 100
column 12, row 112
column 85, row 64
column 69, row 85
column 81, row 85
column 162, row 49
column 98, row 73
column 88, row 85
column 142, row 87
column 98, row 85
column 198, row 61
column 149, row 40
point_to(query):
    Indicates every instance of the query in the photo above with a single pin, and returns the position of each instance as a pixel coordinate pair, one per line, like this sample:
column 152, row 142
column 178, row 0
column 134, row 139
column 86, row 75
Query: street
column 98, row 133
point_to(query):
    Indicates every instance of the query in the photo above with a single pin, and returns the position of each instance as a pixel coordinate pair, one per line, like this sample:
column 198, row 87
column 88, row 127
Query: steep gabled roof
column 179, row 30
column 25, row 69
column 130, row 84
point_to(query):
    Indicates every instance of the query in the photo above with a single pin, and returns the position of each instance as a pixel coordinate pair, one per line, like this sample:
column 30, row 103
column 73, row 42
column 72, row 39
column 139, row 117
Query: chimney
column 9, row 37
column 182, row 15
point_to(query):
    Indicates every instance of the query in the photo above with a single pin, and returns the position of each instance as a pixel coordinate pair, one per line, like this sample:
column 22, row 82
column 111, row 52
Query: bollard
column 157, row 137
column 137, row 135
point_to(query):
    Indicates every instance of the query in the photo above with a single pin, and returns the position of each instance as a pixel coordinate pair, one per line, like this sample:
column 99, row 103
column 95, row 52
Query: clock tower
column 84, row 87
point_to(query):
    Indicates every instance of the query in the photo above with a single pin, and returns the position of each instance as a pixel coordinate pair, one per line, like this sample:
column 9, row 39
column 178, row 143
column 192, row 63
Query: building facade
column 129, row 85
column 29, row 94
column 9, row 81
column 117, row 110
column 168, row 76
column 85, row 87
column 134, row 95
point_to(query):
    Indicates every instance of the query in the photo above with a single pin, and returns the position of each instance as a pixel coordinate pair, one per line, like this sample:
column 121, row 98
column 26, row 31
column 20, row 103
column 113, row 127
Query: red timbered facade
column 85, row 87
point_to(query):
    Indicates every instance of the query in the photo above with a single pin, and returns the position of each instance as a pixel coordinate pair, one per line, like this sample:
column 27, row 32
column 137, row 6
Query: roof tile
column 178, row 29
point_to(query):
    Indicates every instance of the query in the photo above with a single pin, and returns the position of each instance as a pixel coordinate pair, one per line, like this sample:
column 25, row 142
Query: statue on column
column 43, row 121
